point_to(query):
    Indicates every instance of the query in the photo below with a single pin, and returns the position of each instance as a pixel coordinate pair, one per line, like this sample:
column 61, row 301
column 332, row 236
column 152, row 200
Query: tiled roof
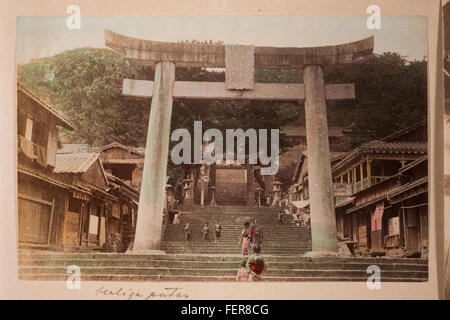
column 139, row 151
column 74, row 162
column 46, row 178
column 389, row 147
column 377, row 146
column 63, row 121
column 74, row 148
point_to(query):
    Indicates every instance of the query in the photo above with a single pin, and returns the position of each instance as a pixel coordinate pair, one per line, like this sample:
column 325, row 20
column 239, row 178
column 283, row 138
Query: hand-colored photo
column 222, row 148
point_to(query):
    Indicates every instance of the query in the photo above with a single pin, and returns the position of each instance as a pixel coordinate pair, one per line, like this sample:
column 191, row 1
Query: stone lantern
column 277, row 193
column 258, row 192
column 188, row 191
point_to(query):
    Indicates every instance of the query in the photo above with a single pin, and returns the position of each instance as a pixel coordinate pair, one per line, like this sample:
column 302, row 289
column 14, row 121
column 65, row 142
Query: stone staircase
column 34, row 265
column 202, row 260
column 284, row 239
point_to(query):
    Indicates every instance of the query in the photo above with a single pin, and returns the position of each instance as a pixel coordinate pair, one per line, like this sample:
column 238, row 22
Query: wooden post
column 51, row 222
column 151, row 201
column 361, row 170
column 405, row 229
column 323, row 220
column 81, row 223
column 250, row 186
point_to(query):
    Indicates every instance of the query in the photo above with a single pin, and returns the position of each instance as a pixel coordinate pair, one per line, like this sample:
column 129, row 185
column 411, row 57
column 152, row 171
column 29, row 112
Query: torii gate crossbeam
column 239, row 62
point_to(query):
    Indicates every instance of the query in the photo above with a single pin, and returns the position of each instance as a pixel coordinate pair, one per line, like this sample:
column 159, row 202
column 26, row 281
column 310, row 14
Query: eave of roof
column 78, row 163
column 123, row 161
column 407, row 187
column 115, row 180
column 365, row 148
column 62, row 120
column 74, row 162
column 121, row 146
column 45, row 178
column 378, row 147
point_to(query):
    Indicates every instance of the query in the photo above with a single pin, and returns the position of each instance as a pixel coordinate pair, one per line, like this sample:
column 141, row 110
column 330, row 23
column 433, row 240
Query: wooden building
column 339, row 138
column 102, row 215
column 42, row 194
column 121, row 215
column 65, row 199
column 385, row 208
column 85, row 217
column 124, row 162
column 299, row 189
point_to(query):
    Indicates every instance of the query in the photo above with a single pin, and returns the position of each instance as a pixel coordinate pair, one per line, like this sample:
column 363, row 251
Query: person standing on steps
column 255, row 265
column 217, row 232
column 205, row 231
column 245, row 238
column 256, row 235
column 243, row 274
column 188, row 232
column 176, row 218
column 280, row 218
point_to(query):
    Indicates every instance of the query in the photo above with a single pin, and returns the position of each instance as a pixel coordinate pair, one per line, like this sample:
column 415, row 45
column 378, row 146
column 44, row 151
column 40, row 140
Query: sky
column 39, row 37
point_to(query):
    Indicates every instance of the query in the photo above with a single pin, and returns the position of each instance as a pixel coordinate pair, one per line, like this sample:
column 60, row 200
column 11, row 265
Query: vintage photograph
column 222, row 148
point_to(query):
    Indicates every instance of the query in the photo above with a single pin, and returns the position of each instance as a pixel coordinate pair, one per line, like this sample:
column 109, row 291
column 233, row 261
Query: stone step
column 230, row 208
column 264, row 247
column 161, row 271
column 177, row 278
column 46, row 255
column 272, row 251
column 235, row 239
column 235, row 242
column 214, row 264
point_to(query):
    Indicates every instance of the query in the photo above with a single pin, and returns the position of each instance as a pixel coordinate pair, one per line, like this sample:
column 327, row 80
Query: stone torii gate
column 239, row 63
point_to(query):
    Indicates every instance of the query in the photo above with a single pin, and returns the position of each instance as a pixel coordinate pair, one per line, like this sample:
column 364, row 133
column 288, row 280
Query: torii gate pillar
column 151, row 200
column 321, row 199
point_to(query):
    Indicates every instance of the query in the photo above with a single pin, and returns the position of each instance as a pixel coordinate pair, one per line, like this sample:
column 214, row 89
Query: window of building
column 40, row 134
column 21, row 123
column 32, row 130
column 74, row 205
column 29, row 128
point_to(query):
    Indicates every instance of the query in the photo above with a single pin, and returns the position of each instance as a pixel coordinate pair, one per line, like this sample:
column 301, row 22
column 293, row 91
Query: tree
column 85, row 84
column 391, row 93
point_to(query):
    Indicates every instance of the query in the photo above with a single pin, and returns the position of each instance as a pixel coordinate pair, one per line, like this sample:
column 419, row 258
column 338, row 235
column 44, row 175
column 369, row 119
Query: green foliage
column 391, row 93
column 85, row 84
